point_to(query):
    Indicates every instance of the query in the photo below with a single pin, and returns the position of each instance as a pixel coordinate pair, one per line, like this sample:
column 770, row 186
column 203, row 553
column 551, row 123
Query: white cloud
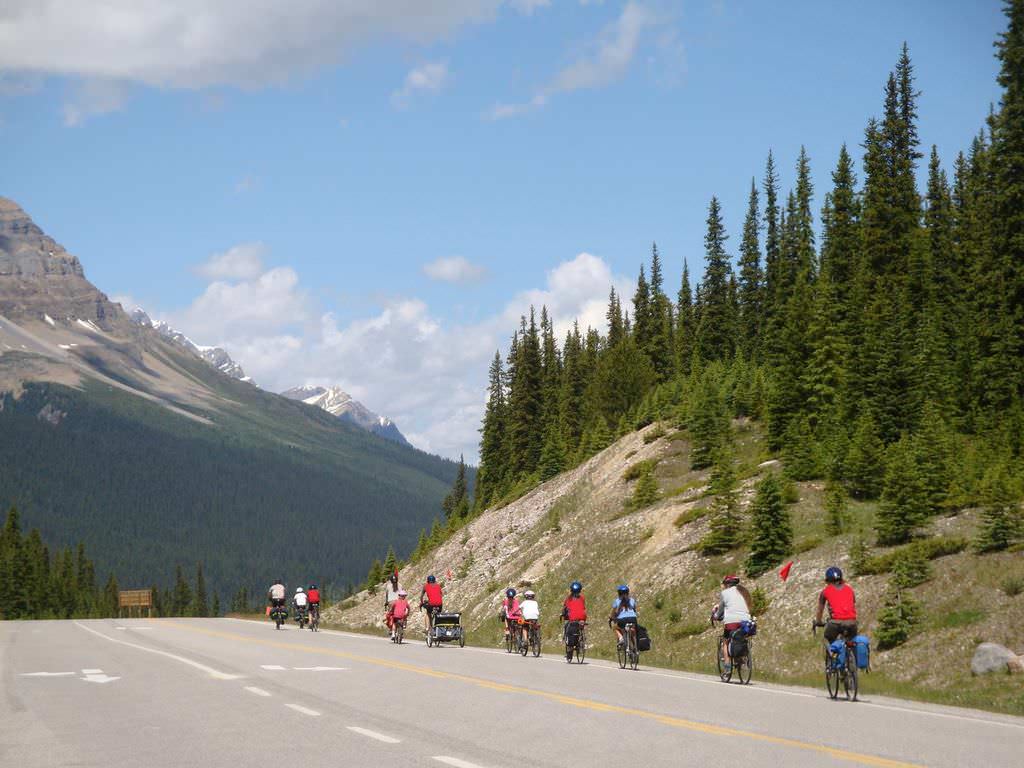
column 454, row 269
column 94, row 97
column 201, row 43
column 240, row 262
column 607, row 60
column 403, row 361
column 427, row 78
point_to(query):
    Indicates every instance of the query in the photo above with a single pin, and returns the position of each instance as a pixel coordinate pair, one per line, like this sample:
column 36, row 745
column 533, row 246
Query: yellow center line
column 675, row 722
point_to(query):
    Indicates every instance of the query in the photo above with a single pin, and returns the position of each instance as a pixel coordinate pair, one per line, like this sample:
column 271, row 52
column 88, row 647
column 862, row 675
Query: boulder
column 991, row 657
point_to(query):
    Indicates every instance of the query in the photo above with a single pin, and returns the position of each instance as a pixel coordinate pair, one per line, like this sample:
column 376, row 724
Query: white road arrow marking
column 99, row 679
column 92, row 671
column 272, row 667
column 46, row 674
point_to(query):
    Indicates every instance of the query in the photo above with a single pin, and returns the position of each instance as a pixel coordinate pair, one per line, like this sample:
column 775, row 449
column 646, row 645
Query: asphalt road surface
column 219, row 692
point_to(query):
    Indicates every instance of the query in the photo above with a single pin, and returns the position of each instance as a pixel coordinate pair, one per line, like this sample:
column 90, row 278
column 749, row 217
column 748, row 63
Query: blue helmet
column 833, row 574
column 575, row 588
column 510, row 593
column 431, row 579
column 622, row 589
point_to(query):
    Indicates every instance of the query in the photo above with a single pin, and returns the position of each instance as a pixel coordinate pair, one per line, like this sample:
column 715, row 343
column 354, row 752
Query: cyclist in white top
column 530, row 610
column 732, row 609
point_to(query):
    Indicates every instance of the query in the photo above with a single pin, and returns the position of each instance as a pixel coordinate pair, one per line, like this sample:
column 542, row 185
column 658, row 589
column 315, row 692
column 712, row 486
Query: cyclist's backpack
column 838, row 649
column 748, row 628
column 643, row 640
column 738, row 645
column 863, row 650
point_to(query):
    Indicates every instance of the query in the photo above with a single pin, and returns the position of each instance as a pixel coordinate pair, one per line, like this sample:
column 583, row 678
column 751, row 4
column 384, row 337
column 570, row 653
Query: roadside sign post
column 127, row 599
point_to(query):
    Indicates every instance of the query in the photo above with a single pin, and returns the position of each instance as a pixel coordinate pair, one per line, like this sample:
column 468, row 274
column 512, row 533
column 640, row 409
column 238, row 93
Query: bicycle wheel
column 745, row 666
column 831, row 677
column 850, row 679
column 535, row 641
column 524, row 645
column 509, row 641
column 581, row 649
column 723, row 673
column 620, row 651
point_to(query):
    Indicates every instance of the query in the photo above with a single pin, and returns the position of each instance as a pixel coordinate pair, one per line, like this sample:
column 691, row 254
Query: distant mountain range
column 153, row 452
column 334, row 400
column 339, row 403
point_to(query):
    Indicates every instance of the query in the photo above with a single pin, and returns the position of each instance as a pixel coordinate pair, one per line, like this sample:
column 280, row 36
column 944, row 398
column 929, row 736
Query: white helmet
column 529, row 593
column 298, row 589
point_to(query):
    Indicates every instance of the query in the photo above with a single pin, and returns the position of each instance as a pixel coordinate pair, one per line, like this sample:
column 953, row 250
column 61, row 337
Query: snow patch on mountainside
column 215, row 357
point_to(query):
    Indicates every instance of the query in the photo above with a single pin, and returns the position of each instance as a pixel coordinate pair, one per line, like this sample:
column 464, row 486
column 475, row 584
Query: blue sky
column 277, row 177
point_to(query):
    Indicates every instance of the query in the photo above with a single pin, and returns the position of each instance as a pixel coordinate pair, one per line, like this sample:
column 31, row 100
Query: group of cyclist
column 304, row 602
column 733, row 608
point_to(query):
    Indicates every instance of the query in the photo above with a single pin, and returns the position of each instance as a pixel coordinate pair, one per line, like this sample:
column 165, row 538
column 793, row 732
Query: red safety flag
column 784, row 571
column 449, row 574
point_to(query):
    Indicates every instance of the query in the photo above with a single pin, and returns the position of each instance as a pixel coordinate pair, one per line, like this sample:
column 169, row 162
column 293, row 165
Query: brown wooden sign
column 137, row 599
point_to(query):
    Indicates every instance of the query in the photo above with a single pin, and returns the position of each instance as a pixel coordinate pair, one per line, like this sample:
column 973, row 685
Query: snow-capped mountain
column 216, row 357
column 336, row 401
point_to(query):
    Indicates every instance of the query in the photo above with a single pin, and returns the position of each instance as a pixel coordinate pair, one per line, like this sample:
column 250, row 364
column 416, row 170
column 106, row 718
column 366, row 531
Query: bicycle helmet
column 298, row 589
column 833, row 574
column 312, row 586
column 529, row 594
column 575, row 588
column 431, row 579
column 402, row 593
column 730, row 581
column 510, row 593
column 622, row 589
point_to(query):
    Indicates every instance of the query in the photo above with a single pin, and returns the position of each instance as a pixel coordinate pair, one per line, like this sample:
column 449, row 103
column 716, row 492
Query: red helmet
column 731, row 581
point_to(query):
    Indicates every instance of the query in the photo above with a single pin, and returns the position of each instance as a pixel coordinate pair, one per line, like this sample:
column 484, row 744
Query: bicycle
column 579, row 649
column 432, row 611
column 314, row 618
column 301, row 616
column 532, row 638
column 742, row 664
column 511, row 633
column 398, row 630
column 836, row 675
column 627, row 651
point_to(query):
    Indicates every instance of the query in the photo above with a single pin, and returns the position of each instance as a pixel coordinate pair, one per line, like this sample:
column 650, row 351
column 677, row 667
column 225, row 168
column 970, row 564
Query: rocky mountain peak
column 340, row 403
column 39, row 278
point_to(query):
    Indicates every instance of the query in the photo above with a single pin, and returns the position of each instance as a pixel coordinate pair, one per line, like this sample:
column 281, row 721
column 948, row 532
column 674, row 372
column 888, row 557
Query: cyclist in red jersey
column 431, row 599
column 842, row 607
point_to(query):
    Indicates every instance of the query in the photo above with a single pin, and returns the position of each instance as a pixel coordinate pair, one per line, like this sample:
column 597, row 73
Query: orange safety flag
column 268, row 610
column 449, row 574
column 784, row 571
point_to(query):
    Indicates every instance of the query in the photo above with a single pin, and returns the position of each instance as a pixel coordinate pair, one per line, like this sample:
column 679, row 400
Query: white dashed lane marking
column 257, row 691
column 458, row 763
column 374, row 735
column 303, row 710
column 272, row 667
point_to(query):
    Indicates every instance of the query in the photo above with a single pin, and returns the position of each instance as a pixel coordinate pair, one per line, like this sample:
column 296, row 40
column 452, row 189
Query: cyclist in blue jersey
column 623, row 612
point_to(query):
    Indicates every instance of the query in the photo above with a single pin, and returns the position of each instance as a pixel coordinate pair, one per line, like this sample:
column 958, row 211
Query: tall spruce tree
column 685, row 325
column 904, row 505
column 772, row 532
column 751, row 279
column 493, row 436
column 716, row 320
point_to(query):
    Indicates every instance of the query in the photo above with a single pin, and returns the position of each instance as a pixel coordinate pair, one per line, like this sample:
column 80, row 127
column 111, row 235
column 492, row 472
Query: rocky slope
column 577, row 526
column 216, row 357
column 339, row 403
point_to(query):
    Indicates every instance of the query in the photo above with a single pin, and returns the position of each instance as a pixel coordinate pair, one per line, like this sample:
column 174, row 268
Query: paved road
column 218, row 692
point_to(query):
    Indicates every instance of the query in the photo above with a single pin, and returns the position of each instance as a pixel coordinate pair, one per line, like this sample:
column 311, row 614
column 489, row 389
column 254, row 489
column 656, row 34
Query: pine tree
column 493, row 453
column 646, row 491
column 375, row 576
column 13, row 596
column 642, row 311
column 708, row 423
column 200, row 606
column 216, row 605
column 933, row 447
column 904, row 505
column 865, row 460
column 181, row 596
column 800, row 452
column 899, row 614
column 751, row 278
column 456, row 504
column 685, row 324
column 552, row 457
column 724, row 526
column 716, row 320
column 659, row 348
column 771, row 528
column 390, row 563
column 616, row 327
column 1001, row 522
column 836, row 514
column 526, row 403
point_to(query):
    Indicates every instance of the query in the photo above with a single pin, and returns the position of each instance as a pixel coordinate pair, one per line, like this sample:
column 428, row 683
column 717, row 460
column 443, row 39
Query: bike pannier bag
column 863, row 650
column 737, row 645
column 838, row 649
column 748, row 628
column 643, row 640
column 572, row 633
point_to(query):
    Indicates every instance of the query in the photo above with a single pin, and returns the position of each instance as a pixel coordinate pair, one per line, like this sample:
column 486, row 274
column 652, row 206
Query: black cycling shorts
column 624, row 622
column 834, row 629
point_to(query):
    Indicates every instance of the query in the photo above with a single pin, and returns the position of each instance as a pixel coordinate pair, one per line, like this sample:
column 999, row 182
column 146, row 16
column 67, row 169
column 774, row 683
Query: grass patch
column 1012, row 586
column 962, row 618
column 691, row 515
column 688, row 630
column 464, row 568
column 674, row 616
column 808, row 543
column 684, row 489
column 929, row 549
column 654, row 434
column 634, row 471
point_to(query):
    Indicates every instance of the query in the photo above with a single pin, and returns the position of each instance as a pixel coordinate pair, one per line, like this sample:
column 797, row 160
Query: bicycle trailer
column 448, row 628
